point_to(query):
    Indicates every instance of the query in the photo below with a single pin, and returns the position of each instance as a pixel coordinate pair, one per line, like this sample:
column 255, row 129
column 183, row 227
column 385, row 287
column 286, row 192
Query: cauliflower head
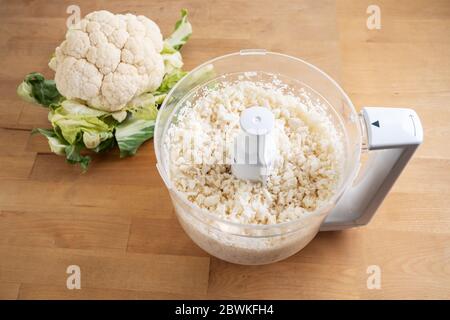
column 108, row 59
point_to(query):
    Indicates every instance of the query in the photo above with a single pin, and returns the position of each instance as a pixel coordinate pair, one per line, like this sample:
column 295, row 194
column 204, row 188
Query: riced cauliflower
column 307, row 167
column 108, row 59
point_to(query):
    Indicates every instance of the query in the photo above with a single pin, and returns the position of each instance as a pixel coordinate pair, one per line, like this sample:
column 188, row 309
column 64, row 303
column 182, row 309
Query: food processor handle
column 393, row 135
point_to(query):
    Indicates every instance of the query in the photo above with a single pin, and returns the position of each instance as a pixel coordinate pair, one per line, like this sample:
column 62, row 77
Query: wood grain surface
column 117, row 222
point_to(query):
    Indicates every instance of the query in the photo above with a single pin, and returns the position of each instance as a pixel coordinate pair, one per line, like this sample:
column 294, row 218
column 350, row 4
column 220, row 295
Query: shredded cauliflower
column 307, row 168
column 109, row 59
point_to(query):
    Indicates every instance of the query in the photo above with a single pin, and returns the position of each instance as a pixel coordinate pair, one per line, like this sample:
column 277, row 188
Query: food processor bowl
column 252, row 244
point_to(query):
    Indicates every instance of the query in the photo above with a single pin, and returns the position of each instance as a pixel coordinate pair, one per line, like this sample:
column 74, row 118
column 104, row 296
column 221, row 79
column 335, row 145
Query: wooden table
column 116, row 221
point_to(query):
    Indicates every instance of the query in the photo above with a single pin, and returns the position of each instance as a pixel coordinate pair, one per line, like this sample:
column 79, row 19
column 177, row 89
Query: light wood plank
column 284, row 280
column 415, row 260
column 9, row 290
column 35, row 291
column 132, row 200
column 15, row 161
column 101, row 269
column 64, row 230
column 138, row 170
column 161, row 236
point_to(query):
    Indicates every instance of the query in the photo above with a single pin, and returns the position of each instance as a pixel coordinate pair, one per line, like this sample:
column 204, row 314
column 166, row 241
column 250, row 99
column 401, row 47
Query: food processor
column 389, row 136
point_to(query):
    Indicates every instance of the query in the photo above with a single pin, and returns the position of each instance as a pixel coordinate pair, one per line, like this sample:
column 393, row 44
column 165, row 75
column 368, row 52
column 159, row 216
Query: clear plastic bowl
column 246, row 243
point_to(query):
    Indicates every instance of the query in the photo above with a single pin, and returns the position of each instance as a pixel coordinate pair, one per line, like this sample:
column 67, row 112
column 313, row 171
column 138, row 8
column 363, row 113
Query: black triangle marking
column 376, row 124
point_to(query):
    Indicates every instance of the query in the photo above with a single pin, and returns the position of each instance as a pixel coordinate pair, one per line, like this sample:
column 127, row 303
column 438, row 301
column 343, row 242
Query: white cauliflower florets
column 107, row 60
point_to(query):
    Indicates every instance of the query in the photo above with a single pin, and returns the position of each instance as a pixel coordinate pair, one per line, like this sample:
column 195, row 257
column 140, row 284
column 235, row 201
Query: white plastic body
column 254, row 146
column 393, row 135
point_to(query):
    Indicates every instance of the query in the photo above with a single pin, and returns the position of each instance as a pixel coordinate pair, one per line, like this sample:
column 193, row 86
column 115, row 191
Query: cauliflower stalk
column 112, row 73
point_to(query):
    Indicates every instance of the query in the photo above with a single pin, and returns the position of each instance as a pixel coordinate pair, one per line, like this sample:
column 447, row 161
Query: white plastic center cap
column 257, row 121
column 254, row 145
